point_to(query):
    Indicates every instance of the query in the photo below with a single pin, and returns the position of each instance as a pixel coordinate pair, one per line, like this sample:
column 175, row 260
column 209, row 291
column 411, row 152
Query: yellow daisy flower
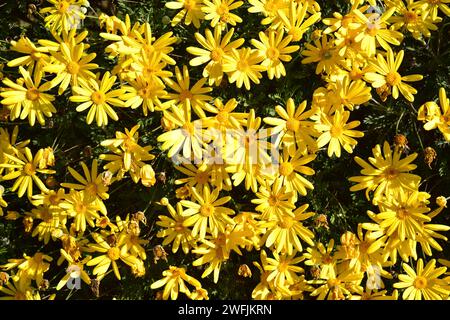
column 174, row 282
column 191, row 11
column 219, row 12
column 242, row 66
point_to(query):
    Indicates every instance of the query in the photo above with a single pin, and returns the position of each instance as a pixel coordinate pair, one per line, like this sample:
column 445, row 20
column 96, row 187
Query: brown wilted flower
column 48, row 158
column 401, row 142
column 133, row 228
column 4, row 278
column 28, row 224
column 140, row 217
column 159, row 253
column 429, row 156
column 183, row 192
column 384, row 92
column 51, row 182
column 106, row 178
column 244, row 271
column 95, row 287
column 162, row 177
column 321, row 221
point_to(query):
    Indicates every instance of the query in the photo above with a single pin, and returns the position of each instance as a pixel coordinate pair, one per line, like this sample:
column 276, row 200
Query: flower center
column 222, row 116
column 242, row 66
column 292, row 124
column 188, row 129
column 420, row 282
column 286, row 222
column 286, row 169
column 185, row 95
column 273, row 200
column 206, row 210
column 98, row 97
column 402, row 213
column 189, row 4
column 410, row 17
column 355, row 74
column 63, row 6
column 73, row 67
column 326, row 54
column 332, row 283
column 80, row 208
column 273, row 53
column 91, row 189
column 32, row 94
column 222, row 9
column 113, row 253
column 179, row 227
column 29, row 169
column 393, row 78
column 36, row 55
column 216, row 54
column 296, row 34
column 391, row 173
column 336, row 131
column 202, row 177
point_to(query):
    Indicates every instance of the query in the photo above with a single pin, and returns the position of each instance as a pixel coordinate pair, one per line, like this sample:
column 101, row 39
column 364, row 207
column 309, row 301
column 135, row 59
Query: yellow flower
column 297, row 131
column 273, row 201
column 30, row 100
column 64, row 14
column 269, row 8
column 242, row 66
column 175, row 231
column 36, row 58
column 208, row 214
column 294, row 20
column 283, row 269
column 349, row 93
column 3, row 203
column 189, row 8
column 336, row 132
column 275, row 49
column 71, row 63
column 387, row 74
column 424, row 282
column 26, row 168
column 110, row 254
column 97, row 96
column 285, row 231
column 219, row 12
column 434, row 117
column 174, row 282
column 74, row 270
column 386, row 174
column 215, row 49
column 91, row 183
column 82, row 208
column 325, row 53
column 145, row 92
column 186, row 97
column 337, row 286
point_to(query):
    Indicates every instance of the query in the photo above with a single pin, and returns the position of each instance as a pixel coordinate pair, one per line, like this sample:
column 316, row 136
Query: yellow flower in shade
column 207, row 214
column 336, row 132
column 74, row 270
column 18, row 290
column 283, row 269
column 3, row 203
column 285, row 231
column 219, row 12
column 35, row 59
column 374, row 31
column 325, row 53
column 275, row 49
column 217, row 250
column 386, row 73
column 25, row 169
column 386, row 174
column 97, row 96
column 435, row 117
column 110, row 254
column 27, row 98
column 83, row 209
column 273, row 201
column 242, row 66
column 191, row 11
column 64, row 15
column 174, row 282
column 294, row 20
column 30, row 268
column 144, row 92
column 186, row 97
column 10, row 145
column 175, row 231
column 296, row 131
column 215, row 48
column 337, row 286
column 423, row 282
column 199, row 294
column 128, row 155
column 71, row 63
column 187, row 139
column 91, row 184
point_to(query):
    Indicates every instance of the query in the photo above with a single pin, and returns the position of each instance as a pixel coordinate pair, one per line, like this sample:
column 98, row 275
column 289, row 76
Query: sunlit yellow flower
column 64, row 14
column 242, row 65
column 174, row 282
column 219, row 12
column 189, row 8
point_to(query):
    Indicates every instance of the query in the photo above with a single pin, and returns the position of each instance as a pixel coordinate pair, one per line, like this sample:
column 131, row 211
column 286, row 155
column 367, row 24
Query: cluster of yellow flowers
column 217, row 149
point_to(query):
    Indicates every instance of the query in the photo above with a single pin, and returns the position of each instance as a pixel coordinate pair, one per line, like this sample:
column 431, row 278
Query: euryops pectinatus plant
column 297, row 148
